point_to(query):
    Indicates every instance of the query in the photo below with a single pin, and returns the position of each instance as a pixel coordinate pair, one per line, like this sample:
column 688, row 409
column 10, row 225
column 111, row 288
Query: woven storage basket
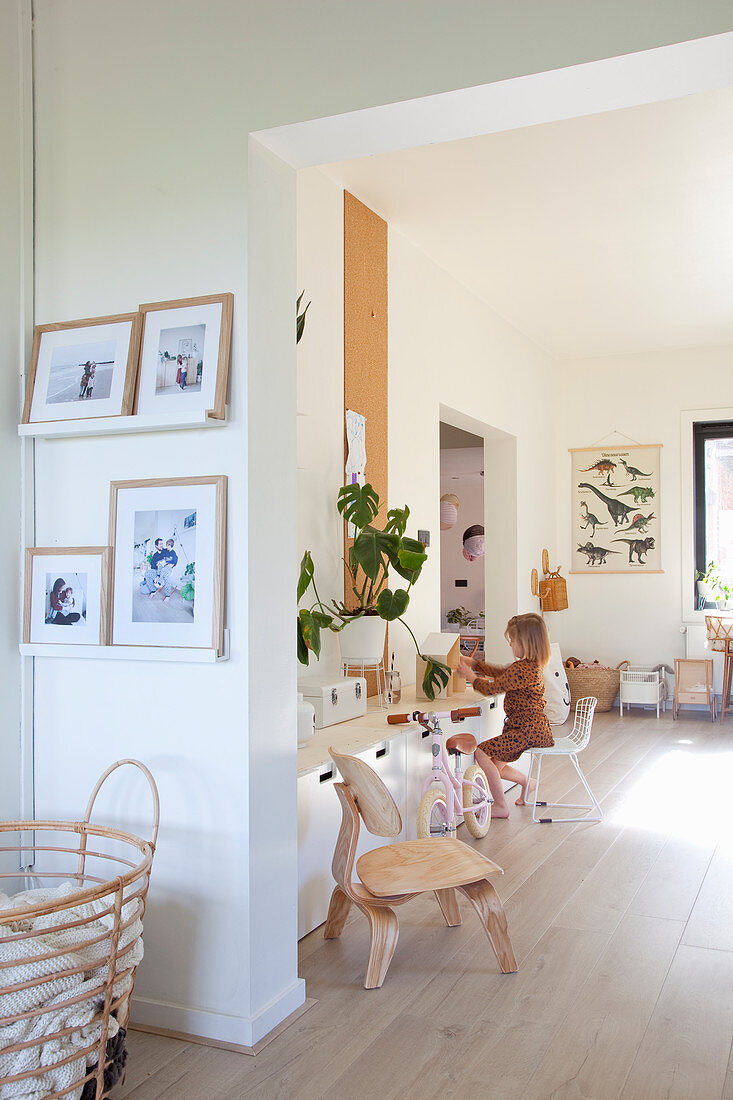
column 603, row 683
column 553, row 592
column 69, row 952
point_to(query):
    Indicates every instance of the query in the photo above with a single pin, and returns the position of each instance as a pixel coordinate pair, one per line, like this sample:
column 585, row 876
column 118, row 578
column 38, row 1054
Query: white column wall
column 142, row 113
column 16, row 281
column 612, row 618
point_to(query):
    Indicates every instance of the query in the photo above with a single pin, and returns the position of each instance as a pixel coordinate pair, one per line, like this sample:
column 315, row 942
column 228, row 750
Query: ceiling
column 609, row 234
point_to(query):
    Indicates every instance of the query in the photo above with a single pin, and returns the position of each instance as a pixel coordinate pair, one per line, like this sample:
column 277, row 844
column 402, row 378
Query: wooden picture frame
column 83, row 369
column 184, row 355
column 80, row 604
column 168, row 539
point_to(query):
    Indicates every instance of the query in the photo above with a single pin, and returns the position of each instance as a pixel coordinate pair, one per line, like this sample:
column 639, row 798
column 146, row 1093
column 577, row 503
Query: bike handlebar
column 419, row 716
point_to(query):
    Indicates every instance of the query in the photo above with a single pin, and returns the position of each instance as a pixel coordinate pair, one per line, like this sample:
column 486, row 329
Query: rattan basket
column 68, row 959
column 718, row 630
column 601, row 682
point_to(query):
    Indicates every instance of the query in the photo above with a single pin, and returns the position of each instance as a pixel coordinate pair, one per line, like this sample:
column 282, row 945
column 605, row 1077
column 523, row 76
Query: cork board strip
column 365, row 348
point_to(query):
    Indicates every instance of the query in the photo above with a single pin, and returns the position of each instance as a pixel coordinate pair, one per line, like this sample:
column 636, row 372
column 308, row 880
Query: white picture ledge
column 120, row 425
column 128, row 652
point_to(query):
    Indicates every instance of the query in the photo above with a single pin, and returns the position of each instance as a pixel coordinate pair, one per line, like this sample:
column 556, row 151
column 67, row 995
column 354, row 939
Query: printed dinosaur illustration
column 640, row 493
column 618, row 511
column 638, row 547
column 640, row 523
column 596, row 555
column 632, row 471
column 591, row 520
column 603, row 466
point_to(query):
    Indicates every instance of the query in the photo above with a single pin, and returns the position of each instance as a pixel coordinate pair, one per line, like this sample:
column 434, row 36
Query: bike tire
column 477, row 821
column 432, row 813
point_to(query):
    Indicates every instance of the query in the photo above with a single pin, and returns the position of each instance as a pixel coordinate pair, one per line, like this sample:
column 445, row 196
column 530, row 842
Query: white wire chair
column 568, row 746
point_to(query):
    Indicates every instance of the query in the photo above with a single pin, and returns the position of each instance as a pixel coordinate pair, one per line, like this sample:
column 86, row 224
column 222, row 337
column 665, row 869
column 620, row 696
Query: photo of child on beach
column 81, row 372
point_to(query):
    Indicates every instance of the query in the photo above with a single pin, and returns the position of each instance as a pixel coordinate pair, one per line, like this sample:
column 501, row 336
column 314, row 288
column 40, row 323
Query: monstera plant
column 375, row 553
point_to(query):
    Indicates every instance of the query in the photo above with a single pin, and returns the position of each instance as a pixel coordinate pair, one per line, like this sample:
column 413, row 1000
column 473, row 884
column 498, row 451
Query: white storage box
column 335, row 700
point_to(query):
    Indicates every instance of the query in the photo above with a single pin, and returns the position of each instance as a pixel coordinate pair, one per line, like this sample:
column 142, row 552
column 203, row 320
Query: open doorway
column 462, row 588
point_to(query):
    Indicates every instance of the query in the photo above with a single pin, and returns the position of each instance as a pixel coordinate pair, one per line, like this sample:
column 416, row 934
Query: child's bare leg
column 500, row 807
column 506, row 771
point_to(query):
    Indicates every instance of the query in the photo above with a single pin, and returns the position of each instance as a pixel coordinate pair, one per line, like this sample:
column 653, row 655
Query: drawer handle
column 325, row 776
column 382, row 752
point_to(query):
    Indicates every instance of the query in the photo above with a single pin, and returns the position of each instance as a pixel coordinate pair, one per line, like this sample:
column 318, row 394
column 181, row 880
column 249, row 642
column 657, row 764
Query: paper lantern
column 473, row 542
column 449, row 505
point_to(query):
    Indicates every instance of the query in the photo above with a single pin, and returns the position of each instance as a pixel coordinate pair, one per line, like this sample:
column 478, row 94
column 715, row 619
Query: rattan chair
column 569, row 746
column 395, row 873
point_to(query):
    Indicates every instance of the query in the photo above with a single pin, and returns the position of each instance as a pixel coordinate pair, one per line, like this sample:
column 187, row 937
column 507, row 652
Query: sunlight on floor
column 685, row 794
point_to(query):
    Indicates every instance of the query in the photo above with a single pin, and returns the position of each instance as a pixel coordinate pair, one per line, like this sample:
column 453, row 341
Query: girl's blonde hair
column 531, row 631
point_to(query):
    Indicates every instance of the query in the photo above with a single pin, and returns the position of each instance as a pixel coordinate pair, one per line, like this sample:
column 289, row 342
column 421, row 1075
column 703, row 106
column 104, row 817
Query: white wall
column 16, row 198
column 125, row 214
column 638, row 617
column 321, row 396
column 446, row 348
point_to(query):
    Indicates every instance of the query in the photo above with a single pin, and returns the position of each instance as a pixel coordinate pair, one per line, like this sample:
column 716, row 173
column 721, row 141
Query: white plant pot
column 363, row 640
column 706, row 593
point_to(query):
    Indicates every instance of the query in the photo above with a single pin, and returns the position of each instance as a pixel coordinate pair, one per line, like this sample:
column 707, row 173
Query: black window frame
column 702, row 431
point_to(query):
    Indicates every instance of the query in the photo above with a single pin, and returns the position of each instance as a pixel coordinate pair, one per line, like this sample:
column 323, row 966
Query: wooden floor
column 624, row 935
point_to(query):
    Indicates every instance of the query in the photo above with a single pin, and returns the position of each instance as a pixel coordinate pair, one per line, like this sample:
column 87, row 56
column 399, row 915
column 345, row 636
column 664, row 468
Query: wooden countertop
column 371, row 728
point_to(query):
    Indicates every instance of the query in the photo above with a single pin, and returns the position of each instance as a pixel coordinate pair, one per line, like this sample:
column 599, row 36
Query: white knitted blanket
column 57, row 991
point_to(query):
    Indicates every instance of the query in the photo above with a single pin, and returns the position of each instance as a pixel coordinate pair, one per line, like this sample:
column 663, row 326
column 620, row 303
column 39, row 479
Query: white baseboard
column 241, row 1031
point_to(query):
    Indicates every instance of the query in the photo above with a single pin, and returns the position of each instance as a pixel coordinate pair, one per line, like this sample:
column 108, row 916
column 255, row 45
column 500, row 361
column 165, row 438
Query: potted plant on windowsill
column 374, row 553
column 708, row 584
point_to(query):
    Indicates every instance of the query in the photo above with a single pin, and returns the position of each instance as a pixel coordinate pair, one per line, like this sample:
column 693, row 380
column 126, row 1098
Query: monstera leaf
column 436, row 676
column 310, row 631
column 397, row 520
column 408, row 559
column 391, row 605
column 302, row 647
column 371, row 548
column 358, row 504
column 306, row 574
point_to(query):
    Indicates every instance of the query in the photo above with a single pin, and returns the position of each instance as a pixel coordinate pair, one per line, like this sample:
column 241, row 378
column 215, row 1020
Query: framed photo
column 184, row 360
column 83, row 369
column 615, row 494
column 168, row 541
column 67, row 595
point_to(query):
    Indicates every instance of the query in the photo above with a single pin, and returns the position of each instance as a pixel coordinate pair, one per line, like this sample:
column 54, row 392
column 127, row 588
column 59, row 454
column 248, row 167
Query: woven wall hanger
column 552, row 590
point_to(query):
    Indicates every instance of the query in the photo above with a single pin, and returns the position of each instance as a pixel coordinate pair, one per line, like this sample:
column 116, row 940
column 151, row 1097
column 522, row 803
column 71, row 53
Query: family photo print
column 168, row 539
column 83, row 369
column 67, row 595
column 184, row 358
column 164, row 564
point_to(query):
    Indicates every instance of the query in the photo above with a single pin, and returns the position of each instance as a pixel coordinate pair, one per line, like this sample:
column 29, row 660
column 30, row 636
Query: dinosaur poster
column 616, row 509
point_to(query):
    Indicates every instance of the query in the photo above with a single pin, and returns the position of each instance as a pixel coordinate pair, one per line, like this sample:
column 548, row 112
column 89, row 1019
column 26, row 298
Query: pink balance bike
column 447, row 794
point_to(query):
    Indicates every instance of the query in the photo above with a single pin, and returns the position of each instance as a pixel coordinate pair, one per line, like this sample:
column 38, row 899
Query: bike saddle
column 461, row 742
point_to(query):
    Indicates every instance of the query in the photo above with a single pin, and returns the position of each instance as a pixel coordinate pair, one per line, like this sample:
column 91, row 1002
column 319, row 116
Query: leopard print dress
column 525, row 725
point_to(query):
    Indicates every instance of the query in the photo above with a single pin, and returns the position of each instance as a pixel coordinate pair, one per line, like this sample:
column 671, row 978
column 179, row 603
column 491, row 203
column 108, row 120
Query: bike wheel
column 478, row 820
column 432, row 814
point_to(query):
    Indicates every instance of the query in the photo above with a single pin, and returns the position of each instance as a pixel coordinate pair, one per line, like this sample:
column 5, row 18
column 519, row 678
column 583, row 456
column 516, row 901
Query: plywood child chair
column 392, row 875
column 693, row 683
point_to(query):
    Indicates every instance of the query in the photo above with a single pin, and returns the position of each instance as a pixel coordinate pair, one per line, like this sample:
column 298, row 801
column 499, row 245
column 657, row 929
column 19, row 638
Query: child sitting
column 525, row 725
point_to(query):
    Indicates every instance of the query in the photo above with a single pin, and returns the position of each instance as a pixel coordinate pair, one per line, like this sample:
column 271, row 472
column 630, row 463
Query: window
column 713, row 449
